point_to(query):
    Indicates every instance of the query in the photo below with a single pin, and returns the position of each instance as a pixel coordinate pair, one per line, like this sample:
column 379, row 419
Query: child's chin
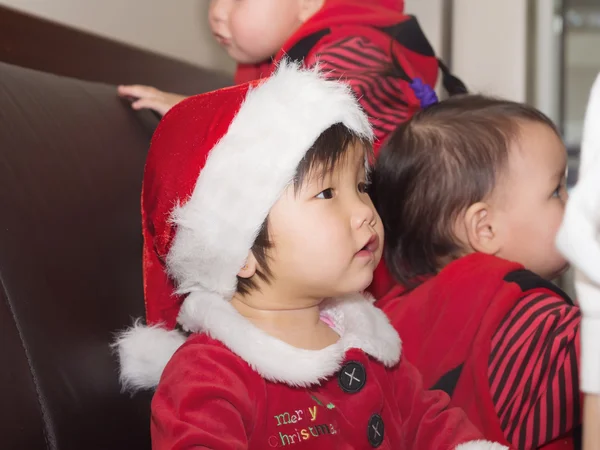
column 561, row 271
column 363, row 285
column 556, row 273
column 354, row 282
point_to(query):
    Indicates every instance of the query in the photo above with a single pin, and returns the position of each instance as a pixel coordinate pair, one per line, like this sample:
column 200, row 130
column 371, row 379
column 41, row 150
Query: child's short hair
column 433, row 167
column 323, row 156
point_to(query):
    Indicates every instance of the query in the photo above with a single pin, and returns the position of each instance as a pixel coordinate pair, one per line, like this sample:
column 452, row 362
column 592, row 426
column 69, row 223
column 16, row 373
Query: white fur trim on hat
column 481, row 445
column 144, row 352
column 248, row 170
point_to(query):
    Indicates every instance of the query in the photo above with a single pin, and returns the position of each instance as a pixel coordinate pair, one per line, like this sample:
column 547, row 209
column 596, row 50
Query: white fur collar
column 143, row 350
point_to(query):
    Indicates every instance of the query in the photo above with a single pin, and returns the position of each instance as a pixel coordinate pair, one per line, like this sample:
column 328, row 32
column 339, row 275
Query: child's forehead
column 537, row 159
column 355, row 156
column 537, row 146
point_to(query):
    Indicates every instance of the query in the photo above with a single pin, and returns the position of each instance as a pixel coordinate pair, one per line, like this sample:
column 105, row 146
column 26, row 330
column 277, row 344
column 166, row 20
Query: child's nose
column 218, row 11
column 364, row 214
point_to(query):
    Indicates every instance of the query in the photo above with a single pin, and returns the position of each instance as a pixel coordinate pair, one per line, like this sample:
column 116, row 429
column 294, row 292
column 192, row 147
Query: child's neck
column 300, row 327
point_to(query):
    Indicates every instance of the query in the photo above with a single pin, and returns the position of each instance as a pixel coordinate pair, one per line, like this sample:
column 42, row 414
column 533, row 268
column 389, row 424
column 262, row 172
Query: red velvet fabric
column 210, row 398
column 179, row 148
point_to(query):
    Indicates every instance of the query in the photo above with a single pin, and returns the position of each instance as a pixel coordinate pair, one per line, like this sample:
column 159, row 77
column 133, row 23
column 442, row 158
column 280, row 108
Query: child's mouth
column 222, row 40
column 370, row 247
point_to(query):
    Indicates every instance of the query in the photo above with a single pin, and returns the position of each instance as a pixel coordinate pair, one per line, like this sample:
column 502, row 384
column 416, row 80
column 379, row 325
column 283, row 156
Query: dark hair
column 432, row 168
column 323, row 156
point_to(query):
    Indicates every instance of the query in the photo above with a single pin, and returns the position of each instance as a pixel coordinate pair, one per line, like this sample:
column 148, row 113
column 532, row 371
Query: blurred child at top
column 380, row 51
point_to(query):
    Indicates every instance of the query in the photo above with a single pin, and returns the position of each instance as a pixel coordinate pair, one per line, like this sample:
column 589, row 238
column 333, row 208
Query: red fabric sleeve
column 427, row 420
column 205, row 400
column 533, row 370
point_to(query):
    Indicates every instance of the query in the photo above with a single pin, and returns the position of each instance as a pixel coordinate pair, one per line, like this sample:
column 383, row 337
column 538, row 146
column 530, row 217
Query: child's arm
column 533, row 370
column 205, row 400
column 428, row 421
column 148, row 97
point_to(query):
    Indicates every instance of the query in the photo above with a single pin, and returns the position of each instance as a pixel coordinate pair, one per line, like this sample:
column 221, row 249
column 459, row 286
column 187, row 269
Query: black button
column 375, row 431
column 352, row 377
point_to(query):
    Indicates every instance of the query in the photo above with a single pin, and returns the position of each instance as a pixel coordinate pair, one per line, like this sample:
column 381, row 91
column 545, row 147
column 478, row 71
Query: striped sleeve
column 533, row 370
column 364, row 65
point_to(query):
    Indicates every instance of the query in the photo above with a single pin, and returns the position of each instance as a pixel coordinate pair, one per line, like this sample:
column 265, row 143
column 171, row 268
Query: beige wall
column 583, row 65
column 429, row 14
column 489, row 42
column 490, row 46
column 180, row 31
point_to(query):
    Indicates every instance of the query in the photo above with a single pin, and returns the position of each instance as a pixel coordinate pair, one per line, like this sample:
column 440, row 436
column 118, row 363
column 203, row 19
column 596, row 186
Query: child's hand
column 147, row 97
column 579, row 240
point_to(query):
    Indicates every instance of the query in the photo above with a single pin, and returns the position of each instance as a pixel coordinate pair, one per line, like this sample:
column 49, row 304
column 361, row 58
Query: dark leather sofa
column 71, row 164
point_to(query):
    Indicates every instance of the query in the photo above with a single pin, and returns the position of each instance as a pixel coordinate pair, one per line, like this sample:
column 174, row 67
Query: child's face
column 252, row 31
column 327, row 237
column 531, row 200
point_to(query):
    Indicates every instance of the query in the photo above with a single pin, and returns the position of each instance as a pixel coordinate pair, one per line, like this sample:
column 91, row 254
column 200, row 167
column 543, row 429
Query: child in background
column 471, row 192
column 372, row 45
column 259, row 237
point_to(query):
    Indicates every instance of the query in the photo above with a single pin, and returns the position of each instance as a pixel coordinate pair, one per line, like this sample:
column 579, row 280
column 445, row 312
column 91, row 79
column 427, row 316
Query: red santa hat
column 217, row 164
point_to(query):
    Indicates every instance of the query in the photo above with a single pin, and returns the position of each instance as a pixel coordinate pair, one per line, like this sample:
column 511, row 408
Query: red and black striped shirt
column 533, row 370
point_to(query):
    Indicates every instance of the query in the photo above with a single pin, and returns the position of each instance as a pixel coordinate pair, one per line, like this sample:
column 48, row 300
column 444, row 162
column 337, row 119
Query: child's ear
column 249, row 268
column 482, row 229
column 308, row 8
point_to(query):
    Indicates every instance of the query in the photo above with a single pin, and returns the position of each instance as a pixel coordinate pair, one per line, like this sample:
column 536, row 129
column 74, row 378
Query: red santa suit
column 217, row 164
column 233, row 386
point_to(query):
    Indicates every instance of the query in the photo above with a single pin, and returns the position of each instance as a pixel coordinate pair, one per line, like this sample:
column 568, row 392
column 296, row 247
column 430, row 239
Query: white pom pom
column 143, row 354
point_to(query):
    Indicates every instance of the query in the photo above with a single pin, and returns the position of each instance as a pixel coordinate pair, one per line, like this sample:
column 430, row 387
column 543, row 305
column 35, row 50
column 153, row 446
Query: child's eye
column 325, row 194
column 363, row 187
column 558, row 191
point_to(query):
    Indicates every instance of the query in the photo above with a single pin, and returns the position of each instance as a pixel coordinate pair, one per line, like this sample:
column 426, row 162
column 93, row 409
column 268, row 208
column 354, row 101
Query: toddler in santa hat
column 259, row 238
